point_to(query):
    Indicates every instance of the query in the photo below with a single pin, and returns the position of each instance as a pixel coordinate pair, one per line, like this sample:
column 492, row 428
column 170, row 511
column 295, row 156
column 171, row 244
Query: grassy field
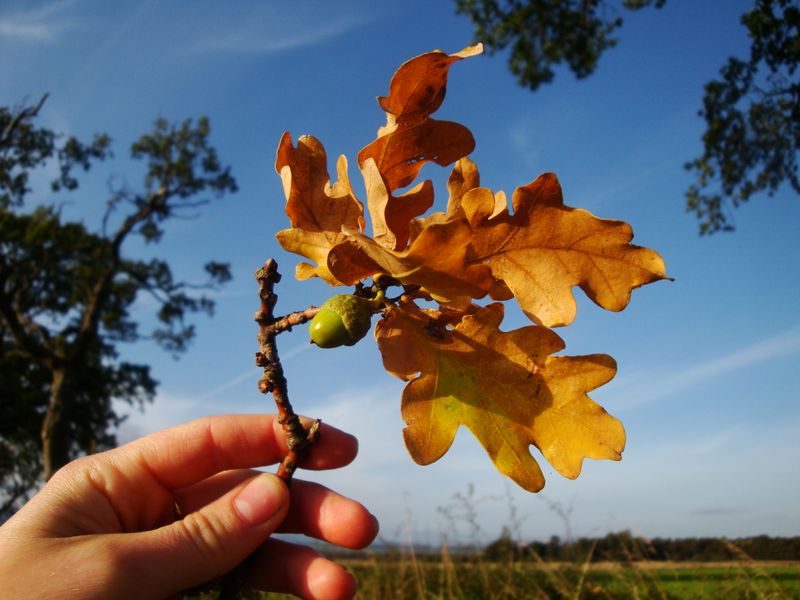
column 476, row 580
column 412, row 578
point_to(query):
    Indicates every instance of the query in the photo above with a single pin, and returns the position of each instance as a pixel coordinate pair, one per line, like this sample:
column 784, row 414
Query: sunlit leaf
column 410, row 138
column 391, row 215
column 316, row 208
column 435, row 261
column 545, row 248
column 505, row 387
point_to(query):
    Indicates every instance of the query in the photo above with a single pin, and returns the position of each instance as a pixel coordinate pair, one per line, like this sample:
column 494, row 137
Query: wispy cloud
column 716, row 511
column 645, row 389
column 265, row 36
column 43, row 24
column 251, row 374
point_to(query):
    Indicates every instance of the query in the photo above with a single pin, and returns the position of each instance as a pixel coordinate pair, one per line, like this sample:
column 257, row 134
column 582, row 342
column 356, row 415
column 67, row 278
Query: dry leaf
column 410, row 138
column 545, row 248
column 463, row 178
column 418, row 87
column 503, row 386
column 391, row 215
column 401, row 154
column 316, row 208
column 435, row 261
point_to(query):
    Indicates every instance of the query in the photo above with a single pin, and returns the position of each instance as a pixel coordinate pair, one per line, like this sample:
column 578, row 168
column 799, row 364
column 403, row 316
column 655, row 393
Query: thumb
column 211, row 541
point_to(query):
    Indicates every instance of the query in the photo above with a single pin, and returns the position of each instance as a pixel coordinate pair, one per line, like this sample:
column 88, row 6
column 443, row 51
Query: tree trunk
column 55, row 442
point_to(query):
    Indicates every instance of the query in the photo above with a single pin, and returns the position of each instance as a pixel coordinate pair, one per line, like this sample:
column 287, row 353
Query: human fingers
column 184, row 455
column 314, row 510
column 321, row 513
column 283, row 567
column 204, row 544
column 131, row 487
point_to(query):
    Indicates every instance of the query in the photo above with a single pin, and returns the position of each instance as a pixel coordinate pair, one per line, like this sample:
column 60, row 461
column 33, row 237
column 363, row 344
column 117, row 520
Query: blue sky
column 707, row 385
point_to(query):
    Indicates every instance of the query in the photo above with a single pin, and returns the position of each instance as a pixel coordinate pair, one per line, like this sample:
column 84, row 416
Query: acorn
column 342, row 320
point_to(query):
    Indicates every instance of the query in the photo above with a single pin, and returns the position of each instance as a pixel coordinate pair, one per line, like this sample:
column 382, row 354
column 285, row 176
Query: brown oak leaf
column 316, row 208
column 436, row 261
column 463, row 178
column 505, row 387
column 410, row 138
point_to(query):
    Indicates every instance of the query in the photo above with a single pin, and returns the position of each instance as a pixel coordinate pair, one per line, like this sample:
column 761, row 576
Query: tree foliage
column 752, row 117
column 545, row 33
column 67, row 292
column 625, row 547
column 752, row 112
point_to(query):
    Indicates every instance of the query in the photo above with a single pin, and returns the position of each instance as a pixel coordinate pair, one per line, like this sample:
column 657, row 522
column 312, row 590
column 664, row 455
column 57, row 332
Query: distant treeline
column 625, row 547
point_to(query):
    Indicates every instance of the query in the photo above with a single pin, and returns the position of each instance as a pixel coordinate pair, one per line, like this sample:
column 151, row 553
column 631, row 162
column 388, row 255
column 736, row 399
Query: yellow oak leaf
column 505, row 387
column 410, row 138
column 316, row 208
column 435, row 261
column 545, row 248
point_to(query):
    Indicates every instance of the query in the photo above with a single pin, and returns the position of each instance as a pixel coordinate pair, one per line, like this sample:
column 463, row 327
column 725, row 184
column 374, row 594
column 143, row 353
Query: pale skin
column 178, row 508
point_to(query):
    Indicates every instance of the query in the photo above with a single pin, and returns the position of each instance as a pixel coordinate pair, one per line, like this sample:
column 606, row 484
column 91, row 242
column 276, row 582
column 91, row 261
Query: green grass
column 412, row 578
column 476, row 580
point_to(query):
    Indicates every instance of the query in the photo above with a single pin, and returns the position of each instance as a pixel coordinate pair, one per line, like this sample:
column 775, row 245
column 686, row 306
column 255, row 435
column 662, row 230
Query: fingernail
column 261, row 499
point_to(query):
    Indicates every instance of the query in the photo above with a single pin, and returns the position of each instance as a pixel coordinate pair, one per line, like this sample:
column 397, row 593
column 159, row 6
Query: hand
column 179, row 508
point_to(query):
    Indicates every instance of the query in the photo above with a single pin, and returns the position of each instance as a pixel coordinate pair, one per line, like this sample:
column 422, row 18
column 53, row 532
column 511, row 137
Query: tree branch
column 22, row 115
column 18, row 327
column 298, row 439
column 101, row 291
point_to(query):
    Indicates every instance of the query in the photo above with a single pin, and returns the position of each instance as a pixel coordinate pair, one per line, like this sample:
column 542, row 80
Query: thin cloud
column 257, row 40
column 250, row 374
column 715, row 511
column 784, row 344
column 43, row 24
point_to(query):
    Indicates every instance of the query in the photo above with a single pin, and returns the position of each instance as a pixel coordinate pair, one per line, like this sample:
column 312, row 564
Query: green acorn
column 342, row 320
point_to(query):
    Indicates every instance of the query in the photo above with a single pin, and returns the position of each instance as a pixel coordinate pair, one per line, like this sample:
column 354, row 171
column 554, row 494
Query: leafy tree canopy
column 752, row 119
column 545, row 33
column 67, row 292
column 752, row 112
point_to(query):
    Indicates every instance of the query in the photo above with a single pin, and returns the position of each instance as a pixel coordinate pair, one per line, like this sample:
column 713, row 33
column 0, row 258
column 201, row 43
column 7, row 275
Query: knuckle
column 207, row 534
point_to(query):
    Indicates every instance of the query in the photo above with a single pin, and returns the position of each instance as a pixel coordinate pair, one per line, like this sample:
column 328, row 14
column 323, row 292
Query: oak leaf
column 317, row 209
column 410, row 138
column 505, row 387
column 436, row 261
column 545, row 248
column 462, row 179
column 391, row 215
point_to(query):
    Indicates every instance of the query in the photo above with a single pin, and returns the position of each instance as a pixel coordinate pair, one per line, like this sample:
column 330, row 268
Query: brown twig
column 298, row 439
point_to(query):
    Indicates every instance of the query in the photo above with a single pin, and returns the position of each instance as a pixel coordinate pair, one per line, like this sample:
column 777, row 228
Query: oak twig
column 298, row 438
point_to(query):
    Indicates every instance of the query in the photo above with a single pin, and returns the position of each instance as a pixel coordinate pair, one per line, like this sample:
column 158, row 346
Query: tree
column 752, row 113
column 752, row 119
column 544, row 33
column 66, row 292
